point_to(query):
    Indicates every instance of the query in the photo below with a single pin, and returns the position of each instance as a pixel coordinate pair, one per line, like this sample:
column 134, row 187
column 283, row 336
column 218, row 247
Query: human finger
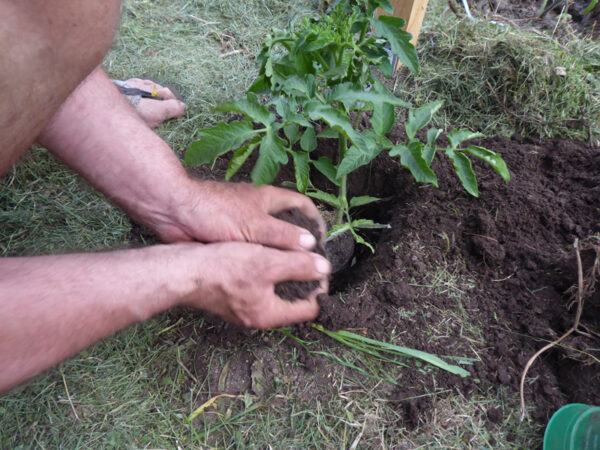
column 280, row 234
column 283, row 199
column 283, row 312
column 165, row 93
column 297, row 266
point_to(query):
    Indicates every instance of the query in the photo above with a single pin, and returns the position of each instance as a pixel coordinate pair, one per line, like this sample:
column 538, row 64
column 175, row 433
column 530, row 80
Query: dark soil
column 297, row 290
column 515, row 240
column 524, row 13
column 514, row 243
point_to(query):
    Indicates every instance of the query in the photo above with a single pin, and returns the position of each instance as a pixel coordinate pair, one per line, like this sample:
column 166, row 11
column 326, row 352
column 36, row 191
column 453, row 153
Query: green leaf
column 430, row 150
column 309, row 140
column 465, row 173
column 330, row 115
column 296, row 85
column 362, row 200
column 218, row 140
column 391, row 29
column 301, row 170
column 456, row 137
column 420, row 117
column 428, row 154
column 492, row 158
column 349, row 94
column 329, row 199
column 329, row 133
column 364, row 343
column 250, row 108
column 358, row 238
column 411, row 158
column 282, row 106
column 383, row 117
column 372, row 5
column 326, row 167
column 433, row 134
column 590, row 7
column 260, row 85
column 238, row 159
column 356, row 157
column 292, row 133
column 368, row 224
column 271, row 155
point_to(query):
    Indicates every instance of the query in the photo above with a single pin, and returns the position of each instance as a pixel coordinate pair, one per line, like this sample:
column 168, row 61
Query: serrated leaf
column 391, row 29
column 420, row 117
column 271, row 155
column 329, row 133
column 218, row 140
column 308, row 142
column 329, row 199
column 383, row 117
column 356, row 157
column 295, row 85
column 412, row 159
column 291, row 133
column 336, row 72
column 331, row 116
column 298, row 119
column 456, row 137
column 372, row 5
column 326, row 167
column 349, row 94
column 301, row 170
column 492, row 158
column 238, row 159
column 250, row 108
column 362, row 200
column 464, row 170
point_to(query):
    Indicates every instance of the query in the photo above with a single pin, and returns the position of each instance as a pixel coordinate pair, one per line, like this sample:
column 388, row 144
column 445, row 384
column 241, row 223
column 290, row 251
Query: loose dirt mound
column 456, row 275
column 515, row 241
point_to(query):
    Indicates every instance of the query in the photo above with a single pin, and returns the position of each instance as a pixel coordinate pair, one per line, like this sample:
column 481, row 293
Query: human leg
column 47, row 47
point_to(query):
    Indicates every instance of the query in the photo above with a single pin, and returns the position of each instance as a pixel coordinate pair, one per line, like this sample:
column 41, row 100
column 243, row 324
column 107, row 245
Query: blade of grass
column 367, row 345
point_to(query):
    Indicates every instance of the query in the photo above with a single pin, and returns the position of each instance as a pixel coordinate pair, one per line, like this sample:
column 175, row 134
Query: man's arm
column 51, row 307
column 99, row 135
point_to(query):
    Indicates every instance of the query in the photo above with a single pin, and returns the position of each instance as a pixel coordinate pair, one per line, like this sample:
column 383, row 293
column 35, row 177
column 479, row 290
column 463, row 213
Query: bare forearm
column 99, row 135
column 51, row 307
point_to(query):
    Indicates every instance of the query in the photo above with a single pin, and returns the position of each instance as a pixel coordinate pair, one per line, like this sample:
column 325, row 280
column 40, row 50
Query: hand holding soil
column 220, row 212
column 237, row 282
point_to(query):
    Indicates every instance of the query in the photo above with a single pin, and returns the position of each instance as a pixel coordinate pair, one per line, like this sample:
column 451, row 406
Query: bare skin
column 53, row 306
column 155, row 112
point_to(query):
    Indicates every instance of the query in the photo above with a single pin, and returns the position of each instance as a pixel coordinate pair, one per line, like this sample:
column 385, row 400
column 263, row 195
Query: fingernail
column 307, row 241
column 323, row 266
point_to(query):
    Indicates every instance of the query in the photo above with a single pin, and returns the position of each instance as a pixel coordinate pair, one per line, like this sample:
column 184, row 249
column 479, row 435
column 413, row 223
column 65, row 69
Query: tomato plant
column 318, row 79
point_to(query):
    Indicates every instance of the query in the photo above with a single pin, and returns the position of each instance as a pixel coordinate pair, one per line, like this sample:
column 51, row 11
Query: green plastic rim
column 574, row 427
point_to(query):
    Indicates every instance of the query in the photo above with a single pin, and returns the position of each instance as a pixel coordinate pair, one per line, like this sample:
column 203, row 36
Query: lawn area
column 183, row 380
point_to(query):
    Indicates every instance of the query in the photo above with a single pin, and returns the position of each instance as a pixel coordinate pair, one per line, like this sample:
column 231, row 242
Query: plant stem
column 342, row 148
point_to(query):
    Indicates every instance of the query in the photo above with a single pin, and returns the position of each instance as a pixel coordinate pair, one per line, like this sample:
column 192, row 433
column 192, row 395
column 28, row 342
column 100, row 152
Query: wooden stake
column 413, row 11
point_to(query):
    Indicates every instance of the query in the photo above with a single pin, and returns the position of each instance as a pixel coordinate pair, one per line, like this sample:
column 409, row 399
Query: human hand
column 222, row 212
column 237, row 282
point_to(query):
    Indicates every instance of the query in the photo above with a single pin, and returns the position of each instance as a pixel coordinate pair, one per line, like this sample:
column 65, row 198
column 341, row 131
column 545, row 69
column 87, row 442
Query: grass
column 137, row 388
column 501, row 80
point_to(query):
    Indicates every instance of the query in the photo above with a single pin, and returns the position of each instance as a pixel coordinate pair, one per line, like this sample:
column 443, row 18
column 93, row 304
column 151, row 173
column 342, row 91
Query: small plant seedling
column 318, row 80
